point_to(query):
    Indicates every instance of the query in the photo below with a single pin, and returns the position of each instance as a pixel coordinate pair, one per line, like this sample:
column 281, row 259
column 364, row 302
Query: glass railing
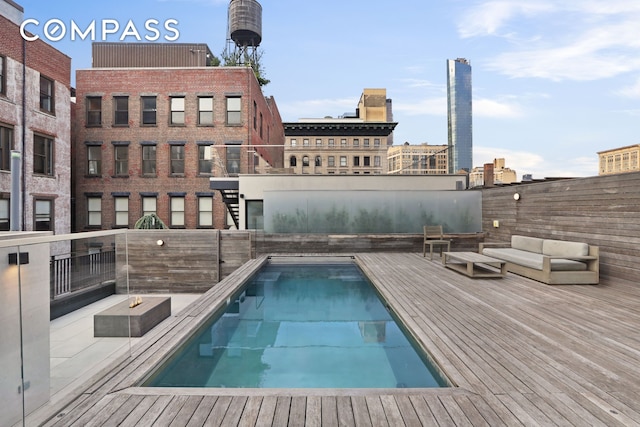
column 49, row 341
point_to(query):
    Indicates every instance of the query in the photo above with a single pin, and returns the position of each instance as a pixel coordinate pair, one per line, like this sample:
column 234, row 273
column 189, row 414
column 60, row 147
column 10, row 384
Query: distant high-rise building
column 459, row 115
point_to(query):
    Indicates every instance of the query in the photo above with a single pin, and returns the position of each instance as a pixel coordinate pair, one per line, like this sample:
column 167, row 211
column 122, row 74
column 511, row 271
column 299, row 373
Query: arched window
column 293, row 162
column 318, row 161
column 305, row 160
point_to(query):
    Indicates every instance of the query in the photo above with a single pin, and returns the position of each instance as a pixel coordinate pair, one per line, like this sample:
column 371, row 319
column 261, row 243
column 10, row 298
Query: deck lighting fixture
column 23, row 258
column 516, row 196
column 160, row 242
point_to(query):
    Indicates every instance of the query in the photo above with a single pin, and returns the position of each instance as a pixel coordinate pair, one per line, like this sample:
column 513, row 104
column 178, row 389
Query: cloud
column 632, row 91
column 496, row 109
column 580, row 41
column 428, row 106
column 524, row 162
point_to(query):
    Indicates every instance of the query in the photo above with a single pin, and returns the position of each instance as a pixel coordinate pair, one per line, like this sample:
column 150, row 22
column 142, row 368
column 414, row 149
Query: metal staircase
column 229, row 188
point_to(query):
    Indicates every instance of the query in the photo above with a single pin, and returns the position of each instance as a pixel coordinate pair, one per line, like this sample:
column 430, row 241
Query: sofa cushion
column 529, row 244
column 532, row 260
column 516, row 256
column 562, row 248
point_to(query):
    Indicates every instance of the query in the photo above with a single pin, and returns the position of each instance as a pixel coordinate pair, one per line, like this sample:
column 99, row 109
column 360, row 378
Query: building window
column 318, row 161
column 305, row 142
column 94, row 211
column 318, row 142
column 121, row 110
column 204, row 159
column 42, row 155
column 177, row 211
column 47, row 95
column 376, row 161
column 234, row 110
column 331, row 161
column 305, row 160
column 149, row 110
column 205, row 211
column 205, row 110
column 121, row 157
column 255, row 115
column 149, row 205
column 6, row 145
column 149, row 160
column 3, row 75
column 332, row 142
column 94, row 160
column 294, row 142
column 94, row 111
column 4, row 214
column 356, row 142
column 121, row 206
column 343, row 161
column 343, row 142
column 366, row 143
column 43, row 214
column 293, row 161
column 233, row 159
column 177, row 159
column 356, row 160
column 376, row 142
column 177, row 110
column 261, row 124
column 367, row 160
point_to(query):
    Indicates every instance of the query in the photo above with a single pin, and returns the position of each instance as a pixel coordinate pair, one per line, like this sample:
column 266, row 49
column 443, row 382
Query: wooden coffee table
column 473, row 264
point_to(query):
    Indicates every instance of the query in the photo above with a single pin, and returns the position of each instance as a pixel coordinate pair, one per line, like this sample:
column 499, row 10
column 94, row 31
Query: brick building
column 35, row 108
column 423, row 159
column 149, row 139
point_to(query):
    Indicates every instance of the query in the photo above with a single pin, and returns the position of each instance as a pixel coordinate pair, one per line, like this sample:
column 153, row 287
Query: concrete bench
column 119, row 320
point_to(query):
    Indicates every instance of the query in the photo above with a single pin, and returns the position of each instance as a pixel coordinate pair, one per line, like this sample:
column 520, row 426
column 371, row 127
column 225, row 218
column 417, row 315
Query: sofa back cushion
column 525, row 243
column 566, row 249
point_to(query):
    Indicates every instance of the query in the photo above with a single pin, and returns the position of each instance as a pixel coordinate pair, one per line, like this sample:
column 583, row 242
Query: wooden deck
column 519, row 352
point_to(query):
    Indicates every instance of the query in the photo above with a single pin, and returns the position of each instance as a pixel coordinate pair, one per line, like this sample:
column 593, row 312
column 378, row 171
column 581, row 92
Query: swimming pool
column 301, row 326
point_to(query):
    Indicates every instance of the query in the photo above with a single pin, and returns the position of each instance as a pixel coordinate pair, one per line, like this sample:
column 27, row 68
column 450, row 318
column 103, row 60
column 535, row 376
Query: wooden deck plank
column 219, row 410
column 201, row 413
column 298, row 409
column 313, row 414
column 345, row 411
column 251, row 410
column 150, row 416
column 134, row 417
column 376, row 411
column 329, row 409
column 360, row 411
column 267, row 411
column 234, row 413
column 171, row 411
column 283, row 407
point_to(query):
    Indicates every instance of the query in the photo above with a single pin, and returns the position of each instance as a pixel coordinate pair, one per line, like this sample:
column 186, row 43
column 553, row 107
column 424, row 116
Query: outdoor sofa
column 554, row 262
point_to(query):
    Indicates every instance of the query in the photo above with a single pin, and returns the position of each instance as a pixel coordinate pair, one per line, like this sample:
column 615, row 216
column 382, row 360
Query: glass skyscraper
column 459, row 115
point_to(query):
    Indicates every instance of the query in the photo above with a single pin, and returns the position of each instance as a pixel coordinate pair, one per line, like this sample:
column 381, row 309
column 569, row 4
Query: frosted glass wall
column 371, row 211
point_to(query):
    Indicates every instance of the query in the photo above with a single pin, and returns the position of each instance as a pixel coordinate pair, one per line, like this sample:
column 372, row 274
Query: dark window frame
column 47, row 95
column 204, row 113
column 93, row 114
column 43, row 159
column 3, row 75
column 204, row 164
column 120, row 165
column 174, row 115
column 149, row 162
column 176, row 160
column 6, row 145
column 233, row 113
column 5, row 221
column 120, row 114
column 148, row 113
column 50, row 217
column 95, row 162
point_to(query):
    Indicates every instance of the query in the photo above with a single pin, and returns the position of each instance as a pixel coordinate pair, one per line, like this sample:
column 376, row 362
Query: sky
column 554, row 81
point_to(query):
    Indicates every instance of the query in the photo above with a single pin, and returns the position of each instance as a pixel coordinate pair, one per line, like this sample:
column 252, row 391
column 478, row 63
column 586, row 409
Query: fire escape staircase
column 229, row 190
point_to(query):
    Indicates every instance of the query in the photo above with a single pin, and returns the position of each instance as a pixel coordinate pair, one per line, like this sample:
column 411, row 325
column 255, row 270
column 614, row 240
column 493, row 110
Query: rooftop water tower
column 245, row 29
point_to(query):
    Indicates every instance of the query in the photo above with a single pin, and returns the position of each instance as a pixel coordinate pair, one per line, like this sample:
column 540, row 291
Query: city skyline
column 554, row 83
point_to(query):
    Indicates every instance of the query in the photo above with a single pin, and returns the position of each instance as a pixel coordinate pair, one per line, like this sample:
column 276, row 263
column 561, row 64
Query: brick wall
column 163, row 83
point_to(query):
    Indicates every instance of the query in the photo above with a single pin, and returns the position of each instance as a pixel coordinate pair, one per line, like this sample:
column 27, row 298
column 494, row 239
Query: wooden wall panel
column 602, row 211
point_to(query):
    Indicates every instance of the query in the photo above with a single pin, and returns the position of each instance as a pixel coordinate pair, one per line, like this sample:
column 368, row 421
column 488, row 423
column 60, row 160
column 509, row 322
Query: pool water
column 301, row 326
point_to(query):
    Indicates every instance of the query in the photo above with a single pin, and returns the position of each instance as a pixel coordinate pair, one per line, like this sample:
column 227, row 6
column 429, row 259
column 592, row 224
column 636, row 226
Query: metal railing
column 74, row 272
